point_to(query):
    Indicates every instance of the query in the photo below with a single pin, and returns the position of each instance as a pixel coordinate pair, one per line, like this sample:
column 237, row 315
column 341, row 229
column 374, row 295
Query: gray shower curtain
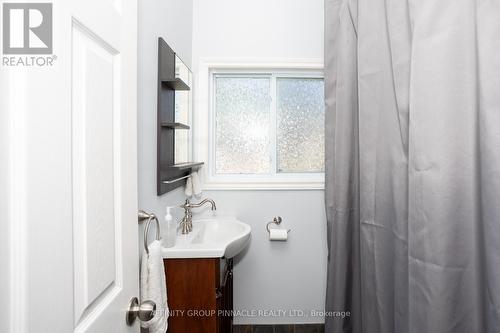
column 413, row 165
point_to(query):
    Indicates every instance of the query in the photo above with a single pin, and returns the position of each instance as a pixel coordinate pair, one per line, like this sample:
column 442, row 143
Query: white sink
column 211, row 238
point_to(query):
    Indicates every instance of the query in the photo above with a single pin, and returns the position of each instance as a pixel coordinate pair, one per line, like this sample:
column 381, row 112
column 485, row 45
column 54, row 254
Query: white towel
column 188, row 191
column 193, row 185
column 195, row 178
column 154, row 287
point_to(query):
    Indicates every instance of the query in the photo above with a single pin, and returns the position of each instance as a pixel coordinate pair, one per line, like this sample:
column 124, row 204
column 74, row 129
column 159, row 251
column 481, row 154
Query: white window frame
column 205, row 134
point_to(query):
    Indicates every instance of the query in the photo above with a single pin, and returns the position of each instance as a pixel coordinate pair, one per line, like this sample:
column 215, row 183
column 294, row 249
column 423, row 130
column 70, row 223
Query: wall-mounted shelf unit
column 173, row 75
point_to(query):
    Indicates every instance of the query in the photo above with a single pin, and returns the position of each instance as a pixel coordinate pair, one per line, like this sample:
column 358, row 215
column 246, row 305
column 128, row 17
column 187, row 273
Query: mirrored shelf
column 174, row 105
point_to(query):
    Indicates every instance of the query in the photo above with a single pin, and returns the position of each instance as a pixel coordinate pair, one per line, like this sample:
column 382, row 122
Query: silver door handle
column 145, row 311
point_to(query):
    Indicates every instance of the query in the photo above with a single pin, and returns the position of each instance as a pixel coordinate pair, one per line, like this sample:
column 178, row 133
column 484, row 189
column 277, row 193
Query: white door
column 71, row 245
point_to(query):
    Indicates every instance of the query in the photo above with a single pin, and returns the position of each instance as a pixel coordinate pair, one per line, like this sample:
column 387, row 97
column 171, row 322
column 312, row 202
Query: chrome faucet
column 187, row 221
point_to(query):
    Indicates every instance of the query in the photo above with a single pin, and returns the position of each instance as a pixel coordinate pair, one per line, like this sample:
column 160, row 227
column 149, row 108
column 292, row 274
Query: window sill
column 263, row 185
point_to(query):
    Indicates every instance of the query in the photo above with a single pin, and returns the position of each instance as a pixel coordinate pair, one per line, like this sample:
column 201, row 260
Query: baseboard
column 298, row 328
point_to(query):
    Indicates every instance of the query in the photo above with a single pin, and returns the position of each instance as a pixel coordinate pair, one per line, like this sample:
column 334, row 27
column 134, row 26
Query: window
column 243, row 125
column 300, row 114
column 268, row 126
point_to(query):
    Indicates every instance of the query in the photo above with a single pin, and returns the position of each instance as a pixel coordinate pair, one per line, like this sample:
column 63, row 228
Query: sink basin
column 211, row 238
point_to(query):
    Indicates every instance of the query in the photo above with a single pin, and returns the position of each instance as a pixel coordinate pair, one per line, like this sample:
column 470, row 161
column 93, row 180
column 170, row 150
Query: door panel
column 72, row 137
column 104, row 165
column 95, row 222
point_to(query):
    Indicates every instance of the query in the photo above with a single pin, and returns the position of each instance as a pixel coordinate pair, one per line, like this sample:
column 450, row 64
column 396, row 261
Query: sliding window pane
column 300, row 122
column 242, row 111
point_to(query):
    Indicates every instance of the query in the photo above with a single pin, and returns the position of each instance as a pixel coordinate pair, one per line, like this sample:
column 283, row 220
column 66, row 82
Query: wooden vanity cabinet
column 200, row 295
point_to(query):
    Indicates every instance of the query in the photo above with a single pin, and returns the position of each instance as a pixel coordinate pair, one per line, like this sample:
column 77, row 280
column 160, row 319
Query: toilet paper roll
column 278, row 235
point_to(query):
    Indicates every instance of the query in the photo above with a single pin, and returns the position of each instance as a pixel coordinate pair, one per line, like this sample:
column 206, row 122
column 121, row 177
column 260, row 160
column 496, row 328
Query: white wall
column 258, row 29
column 172, row 20
column 270, row 275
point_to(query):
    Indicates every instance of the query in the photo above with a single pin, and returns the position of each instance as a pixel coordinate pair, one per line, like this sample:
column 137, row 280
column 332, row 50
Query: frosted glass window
column 243, row 119
column 269, row 124
column 300, row 114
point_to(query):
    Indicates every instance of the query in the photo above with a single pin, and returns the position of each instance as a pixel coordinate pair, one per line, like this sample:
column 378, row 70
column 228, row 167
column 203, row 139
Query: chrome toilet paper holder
column 277, row 220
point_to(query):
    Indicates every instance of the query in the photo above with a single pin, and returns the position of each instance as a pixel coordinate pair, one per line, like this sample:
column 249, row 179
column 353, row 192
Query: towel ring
column 150, row 217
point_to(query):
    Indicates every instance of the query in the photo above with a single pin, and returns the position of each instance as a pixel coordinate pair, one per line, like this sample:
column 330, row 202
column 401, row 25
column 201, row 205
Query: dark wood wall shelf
column 183, row 166
column 175, row 126
column 176, row 84
column 169, row 174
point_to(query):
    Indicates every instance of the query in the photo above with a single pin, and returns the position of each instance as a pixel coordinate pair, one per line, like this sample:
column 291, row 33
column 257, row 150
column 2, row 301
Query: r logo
column 27, row 28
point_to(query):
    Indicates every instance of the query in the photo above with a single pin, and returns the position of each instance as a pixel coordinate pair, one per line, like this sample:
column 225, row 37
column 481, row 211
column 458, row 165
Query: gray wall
column 172, row 20
column 270, row 275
